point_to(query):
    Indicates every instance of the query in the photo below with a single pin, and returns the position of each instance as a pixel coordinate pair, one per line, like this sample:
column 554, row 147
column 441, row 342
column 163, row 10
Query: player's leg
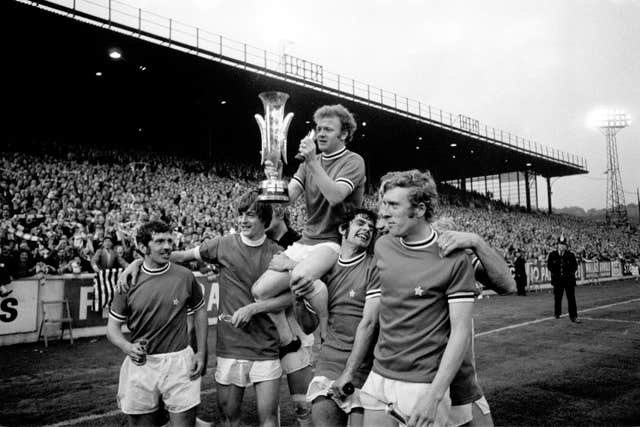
column 318, row 298
column 378, row 419
column 183, row 419
column 267, row 397
column 326, row 413
column 356, row 417
column 229, row 403
column 271, row 284
column 298, row 382
column 318, row 262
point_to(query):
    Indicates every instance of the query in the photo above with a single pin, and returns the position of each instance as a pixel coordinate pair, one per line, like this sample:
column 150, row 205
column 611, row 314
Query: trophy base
column 273, row 191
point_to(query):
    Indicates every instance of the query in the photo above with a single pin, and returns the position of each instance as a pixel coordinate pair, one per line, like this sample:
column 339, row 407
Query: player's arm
column 295, row 190
column 460, row 313
column 364, row 338
column 305, row 316
column 201, row 324
column 117, row 338
column 243, row 315
column 334, row 192
column 493, row 272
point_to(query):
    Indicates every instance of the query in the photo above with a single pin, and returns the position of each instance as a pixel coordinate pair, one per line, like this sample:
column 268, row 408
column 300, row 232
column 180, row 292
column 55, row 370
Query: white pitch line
column 493, row 331
column 531, row 322
column 635, row 322
column 87, row 418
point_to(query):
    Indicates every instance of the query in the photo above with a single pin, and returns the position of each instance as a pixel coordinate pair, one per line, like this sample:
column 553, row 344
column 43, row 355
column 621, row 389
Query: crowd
column 59, row 205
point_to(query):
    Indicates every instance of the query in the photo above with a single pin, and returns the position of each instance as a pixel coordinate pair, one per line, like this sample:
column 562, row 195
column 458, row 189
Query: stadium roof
column 183, row 89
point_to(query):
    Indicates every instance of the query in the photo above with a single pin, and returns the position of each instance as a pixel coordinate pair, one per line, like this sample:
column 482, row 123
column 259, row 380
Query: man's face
column 160, row 247
column 360, row 231
column 107, row 244
column 562, row 247
column 329, row 135
column 250, row 225
column 119, row 250
column 397, row 212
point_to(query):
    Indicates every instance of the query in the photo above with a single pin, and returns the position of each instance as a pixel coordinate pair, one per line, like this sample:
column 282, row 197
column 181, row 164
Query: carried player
column 332, row 183
column 425, row 309
column 160, row 362
column 354, row 289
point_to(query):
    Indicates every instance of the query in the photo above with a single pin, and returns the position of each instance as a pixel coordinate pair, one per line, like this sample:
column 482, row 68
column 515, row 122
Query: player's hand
column 301, row 282
column 425, row 410
column 281, row 262
column 337, row 388
column 450, row 241
column 128, row 277
column 242, row 316
column 197, row 365
column 135, row 351
column 307, row 147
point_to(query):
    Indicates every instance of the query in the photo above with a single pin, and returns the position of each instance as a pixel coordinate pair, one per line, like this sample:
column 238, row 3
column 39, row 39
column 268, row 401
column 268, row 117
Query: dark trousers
column 521, row 284
column 558, row 291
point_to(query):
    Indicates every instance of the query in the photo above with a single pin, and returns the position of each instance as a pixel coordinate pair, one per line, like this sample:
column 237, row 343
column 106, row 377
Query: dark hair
column 148, row 229
column 421, row 186
column 352, row 214
column 347, row 122
column 249, row 200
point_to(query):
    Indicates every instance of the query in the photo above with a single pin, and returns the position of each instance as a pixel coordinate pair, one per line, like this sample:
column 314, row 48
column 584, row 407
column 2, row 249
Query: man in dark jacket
column 520, row 267
column 562, row 265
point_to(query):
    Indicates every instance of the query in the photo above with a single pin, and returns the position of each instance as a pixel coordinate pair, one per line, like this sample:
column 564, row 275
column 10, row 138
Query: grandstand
column 95, row 146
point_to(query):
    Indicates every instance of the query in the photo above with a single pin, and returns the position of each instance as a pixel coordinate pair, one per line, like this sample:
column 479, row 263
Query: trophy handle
column 285, row 129
column 263, row 135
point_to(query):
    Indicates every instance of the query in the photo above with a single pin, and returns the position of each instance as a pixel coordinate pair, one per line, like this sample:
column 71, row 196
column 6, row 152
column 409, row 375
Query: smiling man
column 354, row 290
column 426, row 305
column 160, row 362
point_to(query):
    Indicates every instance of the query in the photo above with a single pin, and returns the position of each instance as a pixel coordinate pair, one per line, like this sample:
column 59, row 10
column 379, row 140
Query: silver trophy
column 273, row 130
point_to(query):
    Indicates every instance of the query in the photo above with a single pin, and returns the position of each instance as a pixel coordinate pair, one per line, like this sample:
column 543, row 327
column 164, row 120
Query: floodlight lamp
column 608, row 118
column 453, row 144
column 528, row 165
column 115, row 53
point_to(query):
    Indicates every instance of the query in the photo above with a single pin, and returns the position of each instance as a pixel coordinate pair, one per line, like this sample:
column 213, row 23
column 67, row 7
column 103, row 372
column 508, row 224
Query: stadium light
column 608, row 118
column 98, row 73
column 453, row 144
column 364, row 123
column 115, row 53
column 528, row 165
column 223, row 102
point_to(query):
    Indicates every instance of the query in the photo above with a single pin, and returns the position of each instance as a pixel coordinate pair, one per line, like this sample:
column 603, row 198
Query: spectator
column 106, row 257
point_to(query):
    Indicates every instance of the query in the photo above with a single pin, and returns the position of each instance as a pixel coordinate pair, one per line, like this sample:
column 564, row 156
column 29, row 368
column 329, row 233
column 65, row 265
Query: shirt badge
column 352, row 293
column 176, row 302
column 418, row 291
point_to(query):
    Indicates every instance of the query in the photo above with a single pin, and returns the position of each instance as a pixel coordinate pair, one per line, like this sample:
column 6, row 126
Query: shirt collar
column 422, row 244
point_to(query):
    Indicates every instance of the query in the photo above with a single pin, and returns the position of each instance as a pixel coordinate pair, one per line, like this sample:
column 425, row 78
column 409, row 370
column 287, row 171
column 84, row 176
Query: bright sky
column 532, row 67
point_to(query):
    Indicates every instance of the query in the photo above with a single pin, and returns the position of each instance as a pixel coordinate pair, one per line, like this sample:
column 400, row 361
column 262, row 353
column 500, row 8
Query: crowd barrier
column 20, row 313
column 538, row 273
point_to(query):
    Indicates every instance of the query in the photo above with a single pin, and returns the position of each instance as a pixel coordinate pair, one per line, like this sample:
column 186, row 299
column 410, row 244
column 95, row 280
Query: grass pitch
column 535, row 370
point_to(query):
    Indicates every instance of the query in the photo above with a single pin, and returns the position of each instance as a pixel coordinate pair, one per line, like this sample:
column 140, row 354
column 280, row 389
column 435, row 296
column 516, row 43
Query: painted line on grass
column 113, row 413
column 544, row 319
column 635, row 322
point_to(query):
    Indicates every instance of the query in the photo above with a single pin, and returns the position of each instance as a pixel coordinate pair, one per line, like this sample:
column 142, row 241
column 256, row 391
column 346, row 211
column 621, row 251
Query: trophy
column 273, row 130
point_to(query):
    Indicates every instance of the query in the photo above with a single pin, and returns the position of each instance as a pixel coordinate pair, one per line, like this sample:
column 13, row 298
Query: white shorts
column 462, row 414
column 378, row 391
column 298, row 252
column 163, row 375
column 321, row 385
column 243, row 373
column 297, row 360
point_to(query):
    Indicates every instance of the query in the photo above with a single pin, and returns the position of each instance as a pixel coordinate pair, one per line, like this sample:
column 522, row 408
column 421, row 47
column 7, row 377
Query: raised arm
column 365, row 336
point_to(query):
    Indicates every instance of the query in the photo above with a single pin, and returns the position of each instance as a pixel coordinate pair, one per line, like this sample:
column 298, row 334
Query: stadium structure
column 107, row 72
